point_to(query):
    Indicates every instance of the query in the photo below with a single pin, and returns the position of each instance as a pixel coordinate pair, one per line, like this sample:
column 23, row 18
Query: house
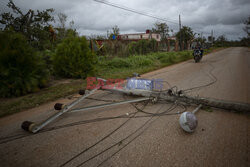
column 139, row 36
column 173, row 38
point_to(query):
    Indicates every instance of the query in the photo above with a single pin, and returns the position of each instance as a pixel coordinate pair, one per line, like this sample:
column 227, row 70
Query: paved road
column 221, row 138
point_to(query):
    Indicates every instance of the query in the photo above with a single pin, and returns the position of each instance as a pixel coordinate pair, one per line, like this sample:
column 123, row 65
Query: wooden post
column 188, row 45
column 168, row 41
column 176, row 45
column 183, row 45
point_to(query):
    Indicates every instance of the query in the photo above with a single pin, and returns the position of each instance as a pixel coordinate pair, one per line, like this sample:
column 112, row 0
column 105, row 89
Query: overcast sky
column 90, row 17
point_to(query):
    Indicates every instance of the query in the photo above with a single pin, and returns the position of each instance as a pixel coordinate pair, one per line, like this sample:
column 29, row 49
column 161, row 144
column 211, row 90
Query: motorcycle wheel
column 196, row 59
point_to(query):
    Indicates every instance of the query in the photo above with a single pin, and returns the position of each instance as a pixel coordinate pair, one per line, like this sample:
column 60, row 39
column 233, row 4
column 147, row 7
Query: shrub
column 21, row 69
column 185, row 55
column 169, row 57
column 142, row 47
column 140, row 61
column 132, row 49
column 152, row 44
column 47, row 55
column 119, row 63
column 73, row 58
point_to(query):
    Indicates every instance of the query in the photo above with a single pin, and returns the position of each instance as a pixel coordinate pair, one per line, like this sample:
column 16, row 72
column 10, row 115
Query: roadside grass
column 125, row 67
column 107, row 68
column 12, row 105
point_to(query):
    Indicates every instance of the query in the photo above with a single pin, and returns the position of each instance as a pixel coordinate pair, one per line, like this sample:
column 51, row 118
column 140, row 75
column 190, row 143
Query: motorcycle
column 198, row 53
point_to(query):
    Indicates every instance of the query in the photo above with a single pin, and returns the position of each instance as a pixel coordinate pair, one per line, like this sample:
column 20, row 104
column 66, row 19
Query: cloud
column 224, row 16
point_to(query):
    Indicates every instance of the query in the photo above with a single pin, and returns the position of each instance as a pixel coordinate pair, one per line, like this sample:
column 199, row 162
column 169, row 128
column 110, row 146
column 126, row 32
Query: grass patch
column 13, row 105
column 107, row 68
column 207, row 109
column 125, row 67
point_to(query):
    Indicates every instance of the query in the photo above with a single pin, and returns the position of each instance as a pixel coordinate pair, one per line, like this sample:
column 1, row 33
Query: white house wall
column 157, row 37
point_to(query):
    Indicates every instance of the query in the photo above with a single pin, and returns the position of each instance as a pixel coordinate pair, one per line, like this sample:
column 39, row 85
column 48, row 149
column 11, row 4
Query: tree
column 62, row 19
column 221, row 41
column 211, row 39
column 115, row 31
column 162, row 29
column 21, row 70
column 184, row 35
column 247, row 27
column 201, row 40
column 71, row 24
column 73, row 58
column 221, row 38
column 246, row 40
column 61, row 30
column 33, row 25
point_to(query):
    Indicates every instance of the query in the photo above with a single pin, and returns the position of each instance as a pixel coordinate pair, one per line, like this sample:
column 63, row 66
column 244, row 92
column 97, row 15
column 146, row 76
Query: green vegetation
column 32, row 51
column 116, row 48
column 107, row 68
column 142, row 47
column 33, row 24
column 21, row 70
column 184, row 35
column 162, row 29
column 73, row 58
column 33, row 54
column 14, row 105
column 125, row 67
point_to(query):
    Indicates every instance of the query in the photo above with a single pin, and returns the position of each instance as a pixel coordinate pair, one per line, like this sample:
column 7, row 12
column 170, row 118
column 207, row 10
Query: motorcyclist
column 197, row 53
column 199, row 47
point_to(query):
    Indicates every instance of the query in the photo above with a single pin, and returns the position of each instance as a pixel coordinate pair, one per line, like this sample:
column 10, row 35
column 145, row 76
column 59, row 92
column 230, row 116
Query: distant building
column 172, row 38
column 139, row 36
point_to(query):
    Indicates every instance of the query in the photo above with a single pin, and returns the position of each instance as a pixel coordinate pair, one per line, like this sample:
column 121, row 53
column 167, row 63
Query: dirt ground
column 221, row 138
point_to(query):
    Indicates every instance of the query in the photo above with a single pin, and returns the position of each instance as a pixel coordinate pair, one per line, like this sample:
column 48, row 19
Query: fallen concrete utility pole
column 145, row 94
column 222, row 104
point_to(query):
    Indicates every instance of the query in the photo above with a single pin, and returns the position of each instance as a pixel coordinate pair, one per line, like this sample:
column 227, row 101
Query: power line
column 135, row 11
column 141, row 13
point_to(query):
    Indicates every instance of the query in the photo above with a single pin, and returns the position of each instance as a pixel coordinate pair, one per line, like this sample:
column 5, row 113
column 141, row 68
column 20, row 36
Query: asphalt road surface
column 137, row 139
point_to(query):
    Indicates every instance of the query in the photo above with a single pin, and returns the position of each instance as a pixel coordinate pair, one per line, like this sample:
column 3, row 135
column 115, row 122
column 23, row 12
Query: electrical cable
column 134, row 137
column 152, row 114
column 141, row 13
column 117, row 143
column 211, row 76
column 126, row 137
column 142, row 131
column 71, row 159
column 134, row 11
column 20, row 136
column 105, row 137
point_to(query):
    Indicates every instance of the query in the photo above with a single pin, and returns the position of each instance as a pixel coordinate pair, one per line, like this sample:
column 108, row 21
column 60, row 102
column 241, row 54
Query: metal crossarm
column 32, row 127
column 110, row 104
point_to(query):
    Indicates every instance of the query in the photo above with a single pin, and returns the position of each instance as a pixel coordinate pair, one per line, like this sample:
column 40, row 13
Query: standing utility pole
column 212, row 36
column 201, row 40
column 180, row 31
